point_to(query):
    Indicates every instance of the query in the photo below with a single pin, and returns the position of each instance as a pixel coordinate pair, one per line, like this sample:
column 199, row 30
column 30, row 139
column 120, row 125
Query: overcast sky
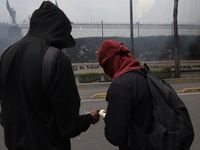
column 79, row 10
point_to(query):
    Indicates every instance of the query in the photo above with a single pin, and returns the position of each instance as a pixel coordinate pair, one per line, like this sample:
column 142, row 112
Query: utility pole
column 131, row 28
column 176, row 41
column 138, row 23
column 102, row 27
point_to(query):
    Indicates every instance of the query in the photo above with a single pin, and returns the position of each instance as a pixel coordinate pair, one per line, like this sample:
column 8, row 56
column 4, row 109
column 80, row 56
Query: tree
column 176, row 41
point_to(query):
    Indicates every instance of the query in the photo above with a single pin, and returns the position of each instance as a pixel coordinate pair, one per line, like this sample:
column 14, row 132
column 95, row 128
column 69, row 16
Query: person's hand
column 95, row 116
column 104, row 112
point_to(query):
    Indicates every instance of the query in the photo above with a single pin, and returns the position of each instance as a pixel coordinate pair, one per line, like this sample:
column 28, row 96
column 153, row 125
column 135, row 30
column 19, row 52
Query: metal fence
column 80, row 30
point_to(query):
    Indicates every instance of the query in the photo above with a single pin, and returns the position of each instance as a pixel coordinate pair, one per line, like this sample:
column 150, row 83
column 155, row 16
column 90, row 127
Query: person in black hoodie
column 30, row 120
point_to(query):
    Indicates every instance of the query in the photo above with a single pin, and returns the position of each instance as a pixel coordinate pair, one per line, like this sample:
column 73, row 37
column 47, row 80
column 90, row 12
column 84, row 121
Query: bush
column 107, row 78
column 89, row 77
column 166, row 71
column 157, row 73
column 163, row 73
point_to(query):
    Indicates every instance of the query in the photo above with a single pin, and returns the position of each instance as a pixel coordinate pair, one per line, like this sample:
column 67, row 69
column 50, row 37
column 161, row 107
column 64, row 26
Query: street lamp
column 131, row 28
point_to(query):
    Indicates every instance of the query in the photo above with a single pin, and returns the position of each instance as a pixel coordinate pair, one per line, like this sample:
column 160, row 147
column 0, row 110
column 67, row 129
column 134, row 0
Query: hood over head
column 115, row 59
column 50, row 22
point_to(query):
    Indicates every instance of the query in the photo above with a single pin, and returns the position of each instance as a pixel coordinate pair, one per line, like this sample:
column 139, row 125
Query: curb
column 93, row 84
column 187, row 90
column 99, row 95
column 171, row 80
column 183, row 79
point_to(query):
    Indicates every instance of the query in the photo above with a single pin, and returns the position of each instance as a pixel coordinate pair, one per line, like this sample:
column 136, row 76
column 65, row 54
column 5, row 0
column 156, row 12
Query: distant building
column 9, row 34
column 162, row 12
column 4, row 30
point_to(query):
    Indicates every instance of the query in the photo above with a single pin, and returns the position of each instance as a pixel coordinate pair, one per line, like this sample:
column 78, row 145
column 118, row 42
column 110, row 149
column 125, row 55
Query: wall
column 154, row 65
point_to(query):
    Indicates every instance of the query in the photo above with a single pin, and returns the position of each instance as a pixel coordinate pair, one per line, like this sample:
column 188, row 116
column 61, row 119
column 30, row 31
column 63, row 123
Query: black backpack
column 172, row 127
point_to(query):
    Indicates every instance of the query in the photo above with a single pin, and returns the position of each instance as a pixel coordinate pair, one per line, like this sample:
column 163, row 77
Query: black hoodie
column 31, row 121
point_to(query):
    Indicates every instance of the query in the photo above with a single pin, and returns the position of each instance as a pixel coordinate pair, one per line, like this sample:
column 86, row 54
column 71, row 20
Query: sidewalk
column 185, row 77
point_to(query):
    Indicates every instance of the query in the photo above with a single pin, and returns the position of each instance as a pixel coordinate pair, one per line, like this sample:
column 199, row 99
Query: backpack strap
column 145, row 66
column 47, row 67
column 142, row 134
column 143, row 71
column 138, row 130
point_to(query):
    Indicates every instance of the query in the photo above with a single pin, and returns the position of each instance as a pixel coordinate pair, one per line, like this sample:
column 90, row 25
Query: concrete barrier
column 186, row 65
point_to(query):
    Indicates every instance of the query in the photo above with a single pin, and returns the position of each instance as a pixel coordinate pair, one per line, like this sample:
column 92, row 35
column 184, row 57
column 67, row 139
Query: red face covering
column 115, row 59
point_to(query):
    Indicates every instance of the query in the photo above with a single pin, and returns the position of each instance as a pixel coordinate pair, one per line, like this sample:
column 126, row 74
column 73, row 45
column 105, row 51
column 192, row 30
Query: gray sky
column 79, row 10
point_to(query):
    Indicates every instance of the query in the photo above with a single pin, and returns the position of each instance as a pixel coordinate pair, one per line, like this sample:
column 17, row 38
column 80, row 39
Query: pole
column 131, row 28
column 102, row 27
column 138, row 38
column 138, row 29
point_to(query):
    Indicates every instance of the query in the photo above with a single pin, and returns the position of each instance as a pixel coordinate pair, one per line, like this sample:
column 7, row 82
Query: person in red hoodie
column 30, row 119
column 128, row 97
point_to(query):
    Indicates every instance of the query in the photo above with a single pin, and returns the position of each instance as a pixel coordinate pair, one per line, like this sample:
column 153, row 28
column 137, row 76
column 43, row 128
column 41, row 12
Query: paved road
column 94, row 138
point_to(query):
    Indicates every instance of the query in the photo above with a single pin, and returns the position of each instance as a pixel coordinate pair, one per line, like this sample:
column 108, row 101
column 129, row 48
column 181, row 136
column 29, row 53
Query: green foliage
column 153, row 48
column 163, row 73
column 107, row 78
column 157, row 73
column 85, row 50
column 166, row 71
column 89, row 77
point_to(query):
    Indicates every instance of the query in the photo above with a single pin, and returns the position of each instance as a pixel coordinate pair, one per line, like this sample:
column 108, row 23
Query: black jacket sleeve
column 118, row 114
column 66, row 101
